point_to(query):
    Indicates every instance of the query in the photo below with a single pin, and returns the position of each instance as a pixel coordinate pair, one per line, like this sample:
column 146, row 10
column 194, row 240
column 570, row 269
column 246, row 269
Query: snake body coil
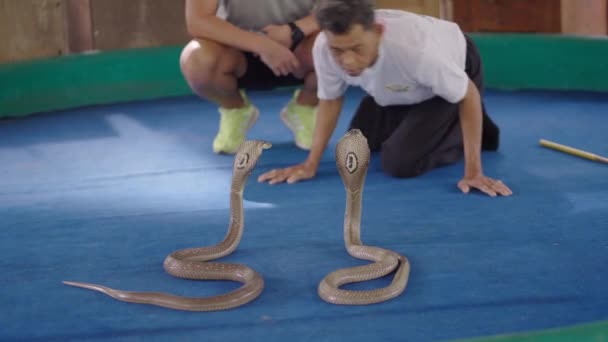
column 352, row 160
column 194, row 263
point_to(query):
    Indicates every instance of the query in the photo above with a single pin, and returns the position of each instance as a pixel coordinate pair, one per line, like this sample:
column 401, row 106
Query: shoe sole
column 283, row 116
column 252, row 121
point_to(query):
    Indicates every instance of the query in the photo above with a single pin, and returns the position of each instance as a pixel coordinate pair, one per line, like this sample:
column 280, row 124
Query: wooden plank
column 463, row 15
column 584, row 17
column 119, row 24
column 523, row 16
column 539, row 16
column 427, row 7
column 79, row 26
column 446, row 8
column 31, row 29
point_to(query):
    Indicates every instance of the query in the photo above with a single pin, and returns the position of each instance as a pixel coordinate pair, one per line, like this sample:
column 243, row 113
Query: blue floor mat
column 103, row 194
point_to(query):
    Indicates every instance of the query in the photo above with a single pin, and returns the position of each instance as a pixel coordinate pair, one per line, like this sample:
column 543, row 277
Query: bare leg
column 212, row 69
column 308, row 95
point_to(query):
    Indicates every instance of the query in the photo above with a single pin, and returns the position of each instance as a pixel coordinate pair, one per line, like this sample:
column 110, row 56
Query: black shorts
column 260, row 77
column 414, row 139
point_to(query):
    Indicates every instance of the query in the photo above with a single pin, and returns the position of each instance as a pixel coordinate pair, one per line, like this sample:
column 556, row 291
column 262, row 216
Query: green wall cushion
column 592, row 332
column 544, row 61
column 512, row 61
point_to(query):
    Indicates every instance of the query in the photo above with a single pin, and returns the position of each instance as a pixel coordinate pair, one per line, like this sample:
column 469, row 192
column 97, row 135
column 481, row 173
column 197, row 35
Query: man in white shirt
column 423, row 77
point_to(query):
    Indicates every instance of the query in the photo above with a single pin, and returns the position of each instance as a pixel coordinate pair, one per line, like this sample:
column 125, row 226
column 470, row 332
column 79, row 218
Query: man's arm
column 308, row 25
column 282, row 33
column 471, row 122
column 331, row 90
column 471, row 117
column 453, row 84
column 327, row 118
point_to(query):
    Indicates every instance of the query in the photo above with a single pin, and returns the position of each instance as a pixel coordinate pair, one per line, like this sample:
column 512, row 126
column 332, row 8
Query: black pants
column 414, row 139
column 260, row 77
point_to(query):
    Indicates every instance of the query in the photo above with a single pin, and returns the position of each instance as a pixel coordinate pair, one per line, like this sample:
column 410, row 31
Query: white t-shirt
column 419, row 58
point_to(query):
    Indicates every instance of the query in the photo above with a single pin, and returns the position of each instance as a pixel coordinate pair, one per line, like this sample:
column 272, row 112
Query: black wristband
column 297, row 36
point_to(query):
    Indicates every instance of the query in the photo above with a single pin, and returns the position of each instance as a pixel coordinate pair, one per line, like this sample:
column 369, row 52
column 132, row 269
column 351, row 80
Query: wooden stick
column 573, row 151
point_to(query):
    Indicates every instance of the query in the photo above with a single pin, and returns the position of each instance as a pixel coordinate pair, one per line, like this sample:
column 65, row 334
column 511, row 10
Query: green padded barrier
column 512, row 61
column 99, row 78
column 553, row 62
column 593, row 332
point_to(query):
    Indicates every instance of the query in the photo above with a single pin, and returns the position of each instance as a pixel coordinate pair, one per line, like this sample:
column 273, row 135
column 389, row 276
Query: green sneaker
column 301, row 121
column 234, row 124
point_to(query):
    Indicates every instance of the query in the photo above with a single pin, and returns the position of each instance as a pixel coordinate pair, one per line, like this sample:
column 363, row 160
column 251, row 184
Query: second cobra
column 352, row 160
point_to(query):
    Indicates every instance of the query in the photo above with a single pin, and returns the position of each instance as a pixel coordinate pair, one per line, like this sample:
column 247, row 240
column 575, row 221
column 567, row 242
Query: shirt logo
column 397, row 88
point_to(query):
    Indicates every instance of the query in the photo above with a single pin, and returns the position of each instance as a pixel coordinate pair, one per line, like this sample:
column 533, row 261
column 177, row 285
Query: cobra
column 352, row 161
column 194, row 263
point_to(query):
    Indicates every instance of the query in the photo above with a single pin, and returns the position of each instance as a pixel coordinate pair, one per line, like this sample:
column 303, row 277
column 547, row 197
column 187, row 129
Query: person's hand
column 291, row 174
column 485, row 184
column 279, row 33
column 278, row 58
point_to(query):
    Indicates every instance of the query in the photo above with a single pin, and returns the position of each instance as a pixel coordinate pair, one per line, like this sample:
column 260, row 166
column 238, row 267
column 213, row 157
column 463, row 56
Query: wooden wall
column 120, row 24
column 578, row 17
column 428, row 7
column 32, row 29
column 538, row 16
column 584, row 17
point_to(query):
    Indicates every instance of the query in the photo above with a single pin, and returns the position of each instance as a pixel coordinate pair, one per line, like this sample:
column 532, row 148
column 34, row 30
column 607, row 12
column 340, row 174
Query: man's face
column 356, row 49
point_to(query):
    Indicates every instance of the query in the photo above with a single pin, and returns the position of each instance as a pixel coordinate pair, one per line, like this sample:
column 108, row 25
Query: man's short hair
column 339, row 16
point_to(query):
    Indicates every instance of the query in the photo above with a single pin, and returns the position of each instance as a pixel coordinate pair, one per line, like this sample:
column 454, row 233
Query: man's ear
column 379, row 28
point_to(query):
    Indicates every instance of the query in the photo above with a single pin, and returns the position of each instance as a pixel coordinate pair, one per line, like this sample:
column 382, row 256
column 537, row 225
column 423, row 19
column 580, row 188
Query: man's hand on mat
column 290, row 175
column 490, row 186
column 278, row 58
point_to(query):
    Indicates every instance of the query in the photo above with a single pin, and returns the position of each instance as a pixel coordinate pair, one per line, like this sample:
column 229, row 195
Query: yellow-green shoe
column 301, row 121
column 234, row 124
